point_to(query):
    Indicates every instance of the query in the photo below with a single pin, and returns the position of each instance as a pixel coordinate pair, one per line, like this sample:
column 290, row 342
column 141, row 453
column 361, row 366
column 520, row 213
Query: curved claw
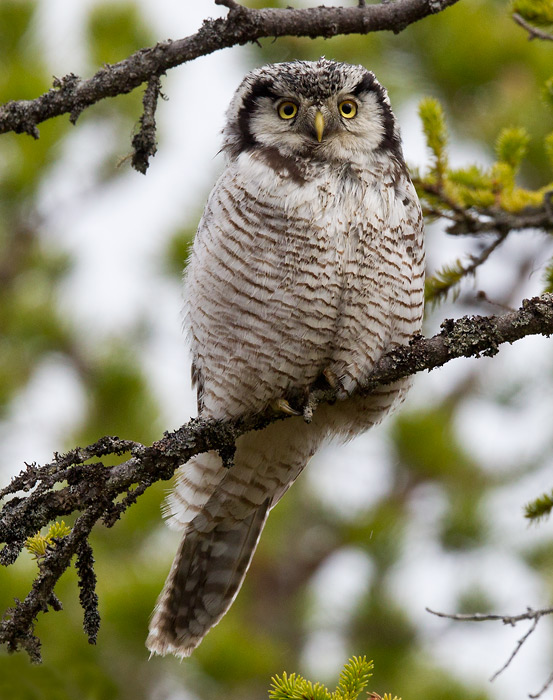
column 282, row 406
column 331, row 378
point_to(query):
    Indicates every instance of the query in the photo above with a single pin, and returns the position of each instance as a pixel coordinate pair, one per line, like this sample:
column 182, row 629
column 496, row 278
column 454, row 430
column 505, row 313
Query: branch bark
column 71, row 94
column 533, row 32
column 67, row 484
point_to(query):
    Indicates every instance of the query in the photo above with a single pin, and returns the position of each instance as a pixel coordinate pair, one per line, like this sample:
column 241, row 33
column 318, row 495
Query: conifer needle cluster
column 473, row 194
column 354, row 678
column 39, row 544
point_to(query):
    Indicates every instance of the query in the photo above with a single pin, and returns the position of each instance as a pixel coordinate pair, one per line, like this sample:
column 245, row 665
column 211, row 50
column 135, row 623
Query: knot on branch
column 232, row 6
column 66, row 87
column 539, row 309
column 66, row 84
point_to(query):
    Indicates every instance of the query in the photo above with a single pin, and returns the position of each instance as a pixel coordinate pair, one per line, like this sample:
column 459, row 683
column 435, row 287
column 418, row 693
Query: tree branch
column 481, row 220
column 68, row 485
column 533, row 615
column 533, row 32
column 71, row 94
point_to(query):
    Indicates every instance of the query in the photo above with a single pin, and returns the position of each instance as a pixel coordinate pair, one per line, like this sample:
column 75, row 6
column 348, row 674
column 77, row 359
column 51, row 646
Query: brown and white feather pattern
column 304, row 261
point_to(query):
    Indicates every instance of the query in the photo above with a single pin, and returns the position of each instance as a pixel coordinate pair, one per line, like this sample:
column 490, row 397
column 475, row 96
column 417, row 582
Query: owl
column 307, row 266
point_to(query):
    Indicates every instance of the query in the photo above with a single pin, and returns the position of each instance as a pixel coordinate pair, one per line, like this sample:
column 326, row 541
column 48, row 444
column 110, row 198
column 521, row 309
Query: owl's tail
column 222, row 512
column 206, row 576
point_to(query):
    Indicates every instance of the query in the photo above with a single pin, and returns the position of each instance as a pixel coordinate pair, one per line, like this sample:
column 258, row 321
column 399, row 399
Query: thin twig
column 533, row 33
column 512, row 620
column 517, row 648
column 230, row 4
column 478, row 260
column 440, row 285
column 547, row 685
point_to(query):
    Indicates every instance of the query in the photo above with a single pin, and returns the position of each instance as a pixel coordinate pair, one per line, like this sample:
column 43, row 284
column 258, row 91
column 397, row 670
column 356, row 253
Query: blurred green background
column 445, row 479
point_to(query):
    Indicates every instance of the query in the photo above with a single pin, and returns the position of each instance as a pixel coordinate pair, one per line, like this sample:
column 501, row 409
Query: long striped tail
column 206, row 575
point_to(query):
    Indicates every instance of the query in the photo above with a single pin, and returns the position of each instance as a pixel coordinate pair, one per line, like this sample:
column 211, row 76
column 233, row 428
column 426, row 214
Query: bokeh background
column 425, row 510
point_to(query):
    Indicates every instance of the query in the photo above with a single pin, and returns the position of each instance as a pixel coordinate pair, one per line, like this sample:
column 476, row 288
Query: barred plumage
column 308, row 263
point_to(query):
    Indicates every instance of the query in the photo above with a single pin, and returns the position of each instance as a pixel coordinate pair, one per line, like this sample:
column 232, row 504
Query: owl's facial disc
column 314, row 111
column 338, row 126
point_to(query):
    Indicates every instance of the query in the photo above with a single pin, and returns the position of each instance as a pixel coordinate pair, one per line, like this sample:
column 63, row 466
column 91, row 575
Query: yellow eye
column 348, row 109
column 287, row 110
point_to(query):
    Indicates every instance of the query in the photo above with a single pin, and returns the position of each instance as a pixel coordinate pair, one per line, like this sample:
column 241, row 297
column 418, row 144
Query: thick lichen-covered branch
column 72, row 94
column 80, row 482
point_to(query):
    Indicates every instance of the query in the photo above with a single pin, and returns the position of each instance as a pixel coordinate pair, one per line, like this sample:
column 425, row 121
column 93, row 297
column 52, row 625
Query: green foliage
column 547, row 92
column 539, row 508
column 439, row 454
column 539, row 12
column 437, row 287
column 433, row 124
column 462, row 527
column 115, row 30
column 446, row 189
column 38, row 544
column 353, row 680
column 179, row 249
column 548, row 144
column 512, row 146
column 548, row 278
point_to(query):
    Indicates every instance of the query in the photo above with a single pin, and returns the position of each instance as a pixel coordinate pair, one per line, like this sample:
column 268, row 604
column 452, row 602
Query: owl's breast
column 276, row 263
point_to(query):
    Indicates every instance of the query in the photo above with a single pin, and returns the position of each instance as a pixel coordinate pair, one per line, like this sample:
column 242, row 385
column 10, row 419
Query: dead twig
column 533, row 33
column 531, row 615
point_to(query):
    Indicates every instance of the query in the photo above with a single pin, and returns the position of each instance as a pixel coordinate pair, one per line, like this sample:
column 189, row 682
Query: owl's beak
column 319, row 125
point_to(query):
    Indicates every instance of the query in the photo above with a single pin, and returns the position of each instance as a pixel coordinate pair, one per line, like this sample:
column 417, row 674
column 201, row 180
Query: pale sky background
column 117, row 233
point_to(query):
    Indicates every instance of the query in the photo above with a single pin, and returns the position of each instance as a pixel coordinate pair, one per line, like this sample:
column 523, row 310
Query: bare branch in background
column 531, row 615
column 533, row 32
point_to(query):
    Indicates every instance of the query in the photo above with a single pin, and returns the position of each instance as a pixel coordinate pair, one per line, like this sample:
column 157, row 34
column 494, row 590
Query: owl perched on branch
column 307, row 266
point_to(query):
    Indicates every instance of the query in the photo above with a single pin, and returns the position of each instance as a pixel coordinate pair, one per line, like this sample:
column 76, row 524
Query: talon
column 331, row 378
column 282, row 406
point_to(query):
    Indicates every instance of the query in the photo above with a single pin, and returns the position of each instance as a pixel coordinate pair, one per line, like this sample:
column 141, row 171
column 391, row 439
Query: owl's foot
column 282, row 406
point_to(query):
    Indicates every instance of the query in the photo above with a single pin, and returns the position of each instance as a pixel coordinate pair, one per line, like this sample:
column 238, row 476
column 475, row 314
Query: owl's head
column 320, row 110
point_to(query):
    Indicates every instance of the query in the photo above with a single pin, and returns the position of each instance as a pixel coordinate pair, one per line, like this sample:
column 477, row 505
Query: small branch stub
column 71, row 94
column 144, row 141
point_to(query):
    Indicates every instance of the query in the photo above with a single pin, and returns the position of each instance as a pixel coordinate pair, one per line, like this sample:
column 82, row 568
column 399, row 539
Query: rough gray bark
column 71, row 94
column 67, row 485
